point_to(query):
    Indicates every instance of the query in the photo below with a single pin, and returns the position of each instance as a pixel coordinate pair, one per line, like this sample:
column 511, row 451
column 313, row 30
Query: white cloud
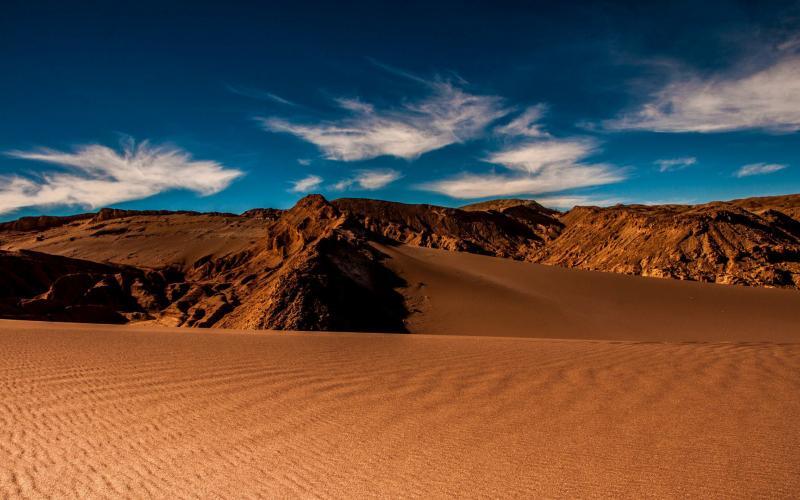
column 672, row 164
column 369, row 180
column 94, row 176
column 526, row 124
column 546, row 166
column 306, row 184
column 550, row 180
column 377, row 179
column 532, row 157
column 448, row 116
column 767, row 98
column 260, row 94
column 304, row 162
column 759, row 169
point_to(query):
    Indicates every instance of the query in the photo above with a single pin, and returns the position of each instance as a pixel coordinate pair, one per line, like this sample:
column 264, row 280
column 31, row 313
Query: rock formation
column 309, row 269
column 313, row 267
column 518, row 232
column 715, row 242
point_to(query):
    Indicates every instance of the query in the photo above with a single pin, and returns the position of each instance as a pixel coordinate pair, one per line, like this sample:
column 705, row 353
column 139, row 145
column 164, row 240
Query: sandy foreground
column 572, row 384
column 103, row 411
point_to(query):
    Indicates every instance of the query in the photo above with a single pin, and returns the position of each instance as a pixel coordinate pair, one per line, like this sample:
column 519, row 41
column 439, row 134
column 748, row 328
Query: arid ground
column 678, row 389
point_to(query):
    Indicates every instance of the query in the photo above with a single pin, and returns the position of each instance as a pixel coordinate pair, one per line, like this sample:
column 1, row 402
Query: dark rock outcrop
column 43, row 286
column 41, row 222
column 716, row 242
column 313, row 267
column 321, row 274
column 269, row 214
column 489, row 233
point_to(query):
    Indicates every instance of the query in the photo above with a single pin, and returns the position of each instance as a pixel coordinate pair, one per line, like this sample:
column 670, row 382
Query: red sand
column 134, row 411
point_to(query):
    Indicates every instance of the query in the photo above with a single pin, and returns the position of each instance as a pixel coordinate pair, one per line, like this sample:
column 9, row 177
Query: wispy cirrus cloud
column 532, row 157
column 260, row 95
column 95, row 175
column 369, row 180
column 673, row 164
column 449, row 115
column 552, row 180
column 527, row 124
column 759, row 169
column 766, row 98
column 547, row 166
column 306, row 184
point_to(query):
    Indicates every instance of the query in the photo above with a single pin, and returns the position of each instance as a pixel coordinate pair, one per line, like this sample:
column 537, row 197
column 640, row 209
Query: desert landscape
column 109, row 411
column 415, row 249
column 518, row 378
column 324, row 265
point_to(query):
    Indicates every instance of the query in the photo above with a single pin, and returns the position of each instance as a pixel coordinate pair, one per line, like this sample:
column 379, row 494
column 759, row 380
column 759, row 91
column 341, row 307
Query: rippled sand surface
column 99, row 411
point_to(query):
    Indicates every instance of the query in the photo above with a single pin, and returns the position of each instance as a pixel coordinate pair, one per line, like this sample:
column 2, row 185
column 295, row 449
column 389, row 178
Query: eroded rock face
column 41, row 222
column 42, row 286
column 313, row 270
column 312, row 267
column 320, row 274
column 787, row 204
column 107, row 214
column 716, row 242
column 485, row 232
column 269, row 214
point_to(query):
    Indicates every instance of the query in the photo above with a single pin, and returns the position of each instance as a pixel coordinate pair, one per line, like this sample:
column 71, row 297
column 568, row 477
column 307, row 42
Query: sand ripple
column 96, row 411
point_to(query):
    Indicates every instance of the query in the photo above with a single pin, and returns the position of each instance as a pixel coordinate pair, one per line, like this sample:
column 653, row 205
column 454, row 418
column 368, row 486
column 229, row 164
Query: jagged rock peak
column 310, row 210
column 313, row 202
column 263, row 213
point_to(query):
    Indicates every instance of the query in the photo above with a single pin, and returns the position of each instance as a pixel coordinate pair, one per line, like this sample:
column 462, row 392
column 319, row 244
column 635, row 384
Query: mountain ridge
column 307, row 267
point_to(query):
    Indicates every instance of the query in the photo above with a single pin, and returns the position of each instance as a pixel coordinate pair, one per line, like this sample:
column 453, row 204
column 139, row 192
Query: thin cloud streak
column 546, row 166
column 97, row 176
column 527, row 124
column 766, row 99
column 306, row 184
column 532, row 157
column 398, row 72
column 260, row 95
column 759, row 169
column 448, row 116
column 673, row 164
column 369, row 180
column 551, row 180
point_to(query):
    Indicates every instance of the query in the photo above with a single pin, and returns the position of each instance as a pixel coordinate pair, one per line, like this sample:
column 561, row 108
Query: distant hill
column 316, row 267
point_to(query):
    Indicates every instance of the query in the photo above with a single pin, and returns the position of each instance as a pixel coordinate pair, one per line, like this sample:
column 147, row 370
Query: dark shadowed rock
column 491, row 233
column 313, row 267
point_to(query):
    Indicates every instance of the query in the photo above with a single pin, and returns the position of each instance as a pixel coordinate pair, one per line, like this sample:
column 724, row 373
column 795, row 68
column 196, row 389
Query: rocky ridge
column 310, row 270
column 313, row 267
column 715, row 242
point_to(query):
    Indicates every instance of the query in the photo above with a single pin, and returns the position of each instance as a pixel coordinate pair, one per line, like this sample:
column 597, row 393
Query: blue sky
column 232, row 106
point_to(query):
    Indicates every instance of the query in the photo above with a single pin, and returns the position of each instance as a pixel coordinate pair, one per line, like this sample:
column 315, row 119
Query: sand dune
column 646, row 387
column 467, row 294
column 110, row 411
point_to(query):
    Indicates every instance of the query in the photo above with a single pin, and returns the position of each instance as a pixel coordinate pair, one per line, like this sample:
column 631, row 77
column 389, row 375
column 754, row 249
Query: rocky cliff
column 310, row 268
column 313, row 267
column 715, row 242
